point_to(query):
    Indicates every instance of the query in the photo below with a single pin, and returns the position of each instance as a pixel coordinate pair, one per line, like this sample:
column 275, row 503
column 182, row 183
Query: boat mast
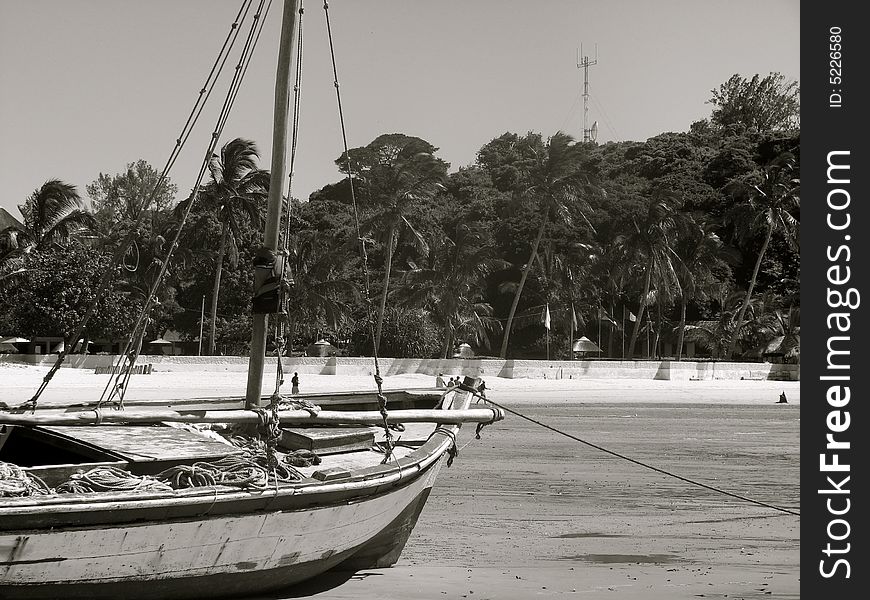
column 276, row 187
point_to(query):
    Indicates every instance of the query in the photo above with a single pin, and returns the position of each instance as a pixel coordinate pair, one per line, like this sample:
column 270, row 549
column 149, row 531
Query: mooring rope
column 482, row 396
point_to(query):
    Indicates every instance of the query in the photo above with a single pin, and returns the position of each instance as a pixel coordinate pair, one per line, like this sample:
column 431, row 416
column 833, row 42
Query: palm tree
column 766, row 201
column 700, row 253
column 52, row 214
column 561, row 272
column 236, row 192
column 400, row 186
column 450, row 286
column 652, row 243
column 554, row 180
column 783, row 328
column 316, row 294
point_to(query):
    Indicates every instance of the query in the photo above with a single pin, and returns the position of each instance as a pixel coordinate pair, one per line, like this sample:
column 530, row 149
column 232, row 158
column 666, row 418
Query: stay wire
column 123, row 246
column 382, row 401
column 637, row 462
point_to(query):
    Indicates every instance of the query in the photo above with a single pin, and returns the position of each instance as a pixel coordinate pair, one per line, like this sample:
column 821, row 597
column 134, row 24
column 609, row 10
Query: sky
column 88, row 86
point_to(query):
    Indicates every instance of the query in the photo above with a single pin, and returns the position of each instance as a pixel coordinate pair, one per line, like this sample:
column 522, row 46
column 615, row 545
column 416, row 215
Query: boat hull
column 218, row 556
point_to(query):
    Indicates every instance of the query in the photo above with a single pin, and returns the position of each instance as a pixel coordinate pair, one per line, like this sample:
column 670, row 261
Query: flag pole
column 547, row 324
column 599, row 328
column 622, row 332
column 201, row 321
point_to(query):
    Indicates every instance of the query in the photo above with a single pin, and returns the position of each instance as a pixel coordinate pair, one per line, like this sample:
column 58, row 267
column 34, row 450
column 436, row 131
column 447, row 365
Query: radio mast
column 584, row 62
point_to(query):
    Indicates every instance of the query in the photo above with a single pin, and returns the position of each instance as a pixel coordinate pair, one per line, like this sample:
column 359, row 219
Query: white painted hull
column 176, row 558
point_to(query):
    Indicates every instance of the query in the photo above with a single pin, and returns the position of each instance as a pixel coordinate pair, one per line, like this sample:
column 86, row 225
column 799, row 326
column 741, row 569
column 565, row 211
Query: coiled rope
column 110, row 479
column 482, row 396
column 16, row 483
column 233, row 471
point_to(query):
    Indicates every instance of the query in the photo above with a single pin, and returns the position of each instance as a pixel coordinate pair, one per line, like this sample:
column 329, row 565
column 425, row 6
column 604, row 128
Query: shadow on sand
column 317, row 585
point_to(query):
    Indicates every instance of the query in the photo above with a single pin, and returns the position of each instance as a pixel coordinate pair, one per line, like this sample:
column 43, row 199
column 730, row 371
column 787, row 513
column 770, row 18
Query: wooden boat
column 159, row 502
column 218, row 540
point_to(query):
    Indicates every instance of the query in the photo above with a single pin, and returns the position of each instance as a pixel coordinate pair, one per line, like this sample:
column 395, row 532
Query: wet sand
column 527, row 513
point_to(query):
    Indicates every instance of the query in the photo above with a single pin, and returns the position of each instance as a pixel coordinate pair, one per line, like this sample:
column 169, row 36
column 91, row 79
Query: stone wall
column 511, row 369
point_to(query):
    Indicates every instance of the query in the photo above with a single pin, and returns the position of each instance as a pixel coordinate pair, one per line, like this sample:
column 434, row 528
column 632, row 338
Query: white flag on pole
column 547, row 317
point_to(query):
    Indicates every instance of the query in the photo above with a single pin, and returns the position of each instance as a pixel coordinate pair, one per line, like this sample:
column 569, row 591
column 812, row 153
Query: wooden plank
column 146, row 444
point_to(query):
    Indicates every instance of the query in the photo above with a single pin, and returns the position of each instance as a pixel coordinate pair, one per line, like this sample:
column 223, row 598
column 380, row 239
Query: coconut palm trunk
column 528, row 267
column 571, row 333
column 682, row 328
column 658, row 338
column 610, row 327
column 739, row 324
column 387, row 267
column 448, row 340
column 217, row 288
column 637, row 323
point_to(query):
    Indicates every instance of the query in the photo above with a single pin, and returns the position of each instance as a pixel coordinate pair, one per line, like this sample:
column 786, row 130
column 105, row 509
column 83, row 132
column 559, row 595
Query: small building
column 584, row 347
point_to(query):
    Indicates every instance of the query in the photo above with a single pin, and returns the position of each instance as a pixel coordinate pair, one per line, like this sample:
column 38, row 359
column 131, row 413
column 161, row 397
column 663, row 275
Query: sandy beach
column 527, row 513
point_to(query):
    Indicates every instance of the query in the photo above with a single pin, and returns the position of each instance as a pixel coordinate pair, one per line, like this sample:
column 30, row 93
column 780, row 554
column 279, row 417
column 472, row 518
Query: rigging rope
column 122, row 248
column 134, row 343
column 482, row 395
column 382, row 400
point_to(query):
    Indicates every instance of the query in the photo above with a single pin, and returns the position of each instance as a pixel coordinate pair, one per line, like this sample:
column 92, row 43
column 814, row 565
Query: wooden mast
column 276, row 187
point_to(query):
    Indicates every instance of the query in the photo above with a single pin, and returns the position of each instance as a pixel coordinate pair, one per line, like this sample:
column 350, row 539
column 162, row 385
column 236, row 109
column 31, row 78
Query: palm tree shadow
column 322, row 583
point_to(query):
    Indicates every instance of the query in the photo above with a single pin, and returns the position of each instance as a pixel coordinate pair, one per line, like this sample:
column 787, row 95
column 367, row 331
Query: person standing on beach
column 295, row 383
column 439, row 381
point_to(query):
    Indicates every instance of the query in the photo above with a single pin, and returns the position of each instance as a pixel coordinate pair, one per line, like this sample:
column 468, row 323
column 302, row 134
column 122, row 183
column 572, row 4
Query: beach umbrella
column 584, row 344
column 13, row 340
column 160, row 342
column 320, row 348
column 465, row 351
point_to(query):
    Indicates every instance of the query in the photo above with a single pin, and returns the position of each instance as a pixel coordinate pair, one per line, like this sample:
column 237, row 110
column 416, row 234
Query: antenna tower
column 584, row 62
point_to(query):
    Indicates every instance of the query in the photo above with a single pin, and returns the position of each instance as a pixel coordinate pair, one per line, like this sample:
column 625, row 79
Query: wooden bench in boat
column 327, row 440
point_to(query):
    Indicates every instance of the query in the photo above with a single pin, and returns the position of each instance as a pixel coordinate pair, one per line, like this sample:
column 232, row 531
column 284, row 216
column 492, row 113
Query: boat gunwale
column 367, row 478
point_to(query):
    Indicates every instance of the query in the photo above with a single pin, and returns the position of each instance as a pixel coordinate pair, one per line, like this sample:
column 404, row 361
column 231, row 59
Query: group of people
column 440, row 383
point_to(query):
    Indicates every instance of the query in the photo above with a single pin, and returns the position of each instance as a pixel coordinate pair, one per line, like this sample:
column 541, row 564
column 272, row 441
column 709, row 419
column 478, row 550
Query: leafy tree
column 118, row 200
column 762, row 104
column 51, row 215
column 54, row 293
column 407, row 333
column 767, row 199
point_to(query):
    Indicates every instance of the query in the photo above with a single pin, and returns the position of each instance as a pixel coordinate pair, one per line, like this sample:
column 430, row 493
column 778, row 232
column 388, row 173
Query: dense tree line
column 686, row 236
